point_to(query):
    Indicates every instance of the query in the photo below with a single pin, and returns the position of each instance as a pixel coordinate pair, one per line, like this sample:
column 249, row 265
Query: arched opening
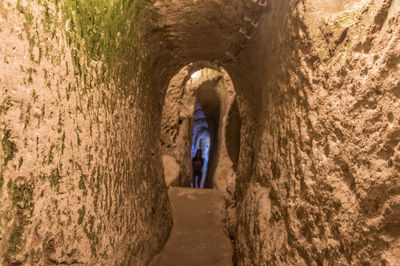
column 200, row 142
column 196, row 111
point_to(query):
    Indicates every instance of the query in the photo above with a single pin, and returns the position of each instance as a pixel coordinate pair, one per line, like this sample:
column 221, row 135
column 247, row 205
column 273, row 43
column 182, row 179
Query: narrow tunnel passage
column 200, row 142
column 307, row 154
column 195, row 116
column 197, row 109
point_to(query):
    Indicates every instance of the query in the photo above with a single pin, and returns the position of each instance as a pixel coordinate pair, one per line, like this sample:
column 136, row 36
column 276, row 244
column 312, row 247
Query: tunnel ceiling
column 209, row 100
column 191, row 31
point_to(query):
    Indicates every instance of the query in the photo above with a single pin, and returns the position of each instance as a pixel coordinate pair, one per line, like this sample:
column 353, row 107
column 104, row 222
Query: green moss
column 78, row 139
column 35, row 97
column 14, row 242
column 5, row 105
column 95, row 202
column 28, row 15
column 37, row 144
column 21, row 194
column 20, row 162
column 42, row 176
column 348, row 19
column 9, row 147
column 110, row 31
column 18, row 6
column 30, row 79
column 62, row 143
column 81, row 213
column 54, row 178
column 1, row 180
column 43, row 111
column 82, row 180
column 55, row 203
column 40, row 55
column 50, row 155
column 27, row 115
column 47, row 16
column 60, row 123
column 68, row 90
column 91, row 234
column 89, row 160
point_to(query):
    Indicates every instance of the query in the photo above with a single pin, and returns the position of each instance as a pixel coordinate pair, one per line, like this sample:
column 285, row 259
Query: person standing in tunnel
column 197, row 165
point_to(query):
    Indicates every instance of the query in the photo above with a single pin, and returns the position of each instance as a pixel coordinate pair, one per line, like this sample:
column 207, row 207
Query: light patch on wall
column 196, row 74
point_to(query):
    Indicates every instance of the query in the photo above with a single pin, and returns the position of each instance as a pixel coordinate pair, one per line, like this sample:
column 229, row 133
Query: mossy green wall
column 74, row 179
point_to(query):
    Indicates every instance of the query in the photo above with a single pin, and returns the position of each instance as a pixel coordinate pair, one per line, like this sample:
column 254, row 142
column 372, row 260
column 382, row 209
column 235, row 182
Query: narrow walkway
column 197, row 237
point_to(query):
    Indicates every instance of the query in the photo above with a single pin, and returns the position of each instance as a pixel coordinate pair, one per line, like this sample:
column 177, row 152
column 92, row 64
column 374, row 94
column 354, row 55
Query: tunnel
column 201, row 143
column 301, row 100
column 198, row 110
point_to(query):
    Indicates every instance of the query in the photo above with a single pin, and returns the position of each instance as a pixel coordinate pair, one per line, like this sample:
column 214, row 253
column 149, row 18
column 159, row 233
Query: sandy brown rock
column 75, row 187
column 317, row 89
column 171, row 170
column 326, row 143
column 317, row 85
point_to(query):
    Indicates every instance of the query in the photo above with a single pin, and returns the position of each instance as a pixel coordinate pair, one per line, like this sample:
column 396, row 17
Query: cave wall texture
column 317, row 90
column 82, row 91
column 75, row 187
column 321, row 184
column 176, row 128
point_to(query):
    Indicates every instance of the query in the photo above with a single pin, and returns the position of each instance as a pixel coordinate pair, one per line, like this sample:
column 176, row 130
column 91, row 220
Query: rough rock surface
column 75, row 185
column 317, row 89
column 177, row 123
column 323, row 185
column 171, row 170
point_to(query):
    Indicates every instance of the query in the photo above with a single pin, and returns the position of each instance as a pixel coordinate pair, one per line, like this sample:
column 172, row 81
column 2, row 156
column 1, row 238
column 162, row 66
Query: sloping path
column 197, row 237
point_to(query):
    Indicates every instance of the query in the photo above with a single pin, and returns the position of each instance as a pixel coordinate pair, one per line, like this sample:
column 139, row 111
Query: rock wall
column 176, row 129
column 76, row 135
column 222, row 174
column 318, row 180
column 82, row 90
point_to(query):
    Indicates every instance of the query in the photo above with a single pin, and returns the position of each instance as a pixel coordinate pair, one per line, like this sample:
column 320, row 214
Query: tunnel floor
column 197, row 237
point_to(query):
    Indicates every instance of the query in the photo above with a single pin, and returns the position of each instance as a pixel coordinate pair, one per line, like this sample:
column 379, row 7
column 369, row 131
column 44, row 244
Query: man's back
column 198, row 163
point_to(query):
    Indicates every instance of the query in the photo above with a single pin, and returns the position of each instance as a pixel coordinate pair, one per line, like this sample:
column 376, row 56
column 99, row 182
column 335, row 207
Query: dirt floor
column 197, row 237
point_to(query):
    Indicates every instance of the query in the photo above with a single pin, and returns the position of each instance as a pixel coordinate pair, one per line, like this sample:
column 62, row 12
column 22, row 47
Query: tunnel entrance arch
column 209, row 88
